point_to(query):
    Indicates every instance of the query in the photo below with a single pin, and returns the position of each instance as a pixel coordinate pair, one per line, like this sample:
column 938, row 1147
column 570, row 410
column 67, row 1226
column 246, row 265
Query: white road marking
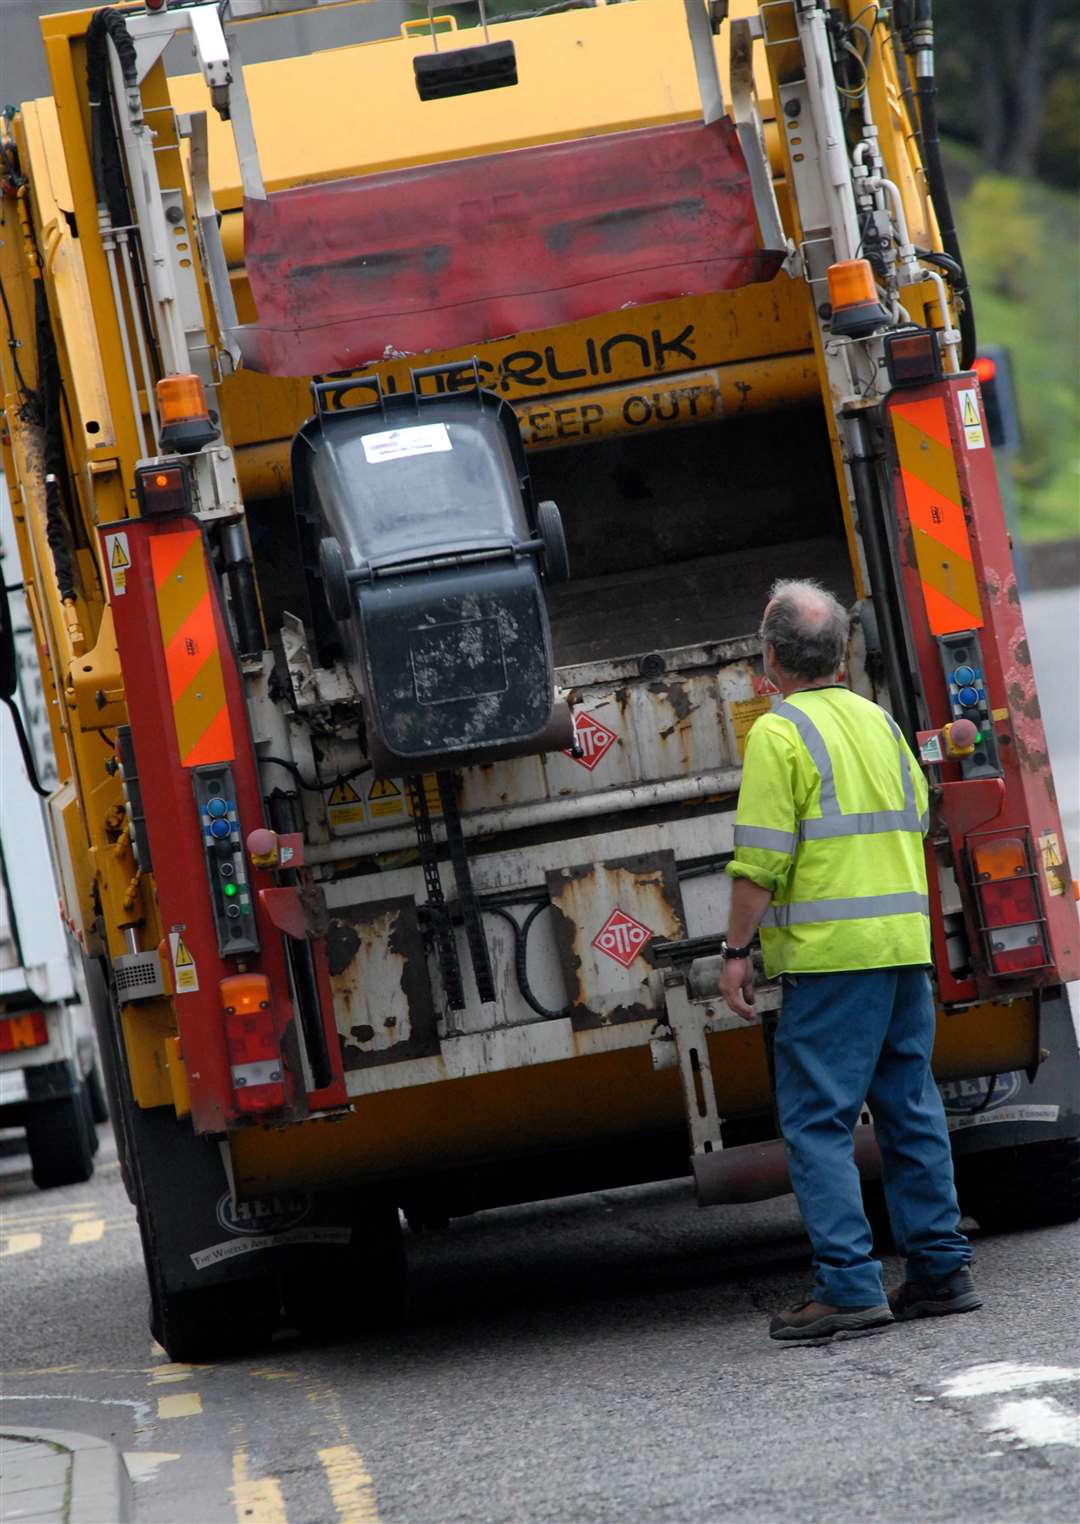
column 20, row 1243
column 142, row 1464
column 1035, row 1422
column 88, row 1232
column 257, row 1500
column 1005, row 1376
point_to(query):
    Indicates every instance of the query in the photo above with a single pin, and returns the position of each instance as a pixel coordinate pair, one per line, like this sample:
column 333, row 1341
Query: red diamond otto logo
column 594, row 740
column 621, row 937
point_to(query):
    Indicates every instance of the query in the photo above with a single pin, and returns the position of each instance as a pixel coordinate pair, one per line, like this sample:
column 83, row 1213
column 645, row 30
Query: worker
column 829, row 864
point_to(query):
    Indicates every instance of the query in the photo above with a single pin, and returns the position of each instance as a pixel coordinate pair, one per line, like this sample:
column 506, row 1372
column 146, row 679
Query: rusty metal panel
column 606, row 914
column 379, row 975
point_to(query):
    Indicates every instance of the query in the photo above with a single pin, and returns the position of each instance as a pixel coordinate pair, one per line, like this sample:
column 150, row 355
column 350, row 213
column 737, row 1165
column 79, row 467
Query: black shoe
column 812, row 1322
column 933, row 1299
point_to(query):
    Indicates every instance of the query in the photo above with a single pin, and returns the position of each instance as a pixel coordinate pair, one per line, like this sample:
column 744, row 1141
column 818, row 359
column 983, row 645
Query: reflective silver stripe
column 763, row 836
column 866, row 907
column 924, row 821
column 833, row 821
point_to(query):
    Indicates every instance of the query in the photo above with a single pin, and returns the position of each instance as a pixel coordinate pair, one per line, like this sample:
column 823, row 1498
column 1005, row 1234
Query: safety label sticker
column 386, row 799
column 1053, row 861
column 743, row 714
column 345, row 805
column 621, row 937
column 969, row 418
column 1027, row 1113
column 202, row 1259
column 185, row 973
column 594, row 741
column 930, row 748
column 395, row 444
column 119, row 558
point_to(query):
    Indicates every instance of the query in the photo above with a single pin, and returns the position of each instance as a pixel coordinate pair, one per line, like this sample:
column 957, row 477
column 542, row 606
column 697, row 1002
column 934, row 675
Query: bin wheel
column 334, row 579
column 1032, row 1185
column 549, row 524
column 58, row 1134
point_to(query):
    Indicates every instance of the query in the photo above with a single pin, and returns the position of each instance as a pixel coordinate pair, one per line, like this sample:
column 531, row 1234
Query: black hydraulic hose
column 301, row 962
column 521, row 956
column 884, row 583
column 57, row 522
column 24, row 747
column 917, row 27
column 105, row 159
column 939, row 195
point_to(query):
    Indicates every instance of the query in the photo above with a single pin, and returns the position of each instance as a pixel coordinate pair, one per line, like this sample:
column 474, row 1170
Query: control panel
column 962, row 663
column 230, row 891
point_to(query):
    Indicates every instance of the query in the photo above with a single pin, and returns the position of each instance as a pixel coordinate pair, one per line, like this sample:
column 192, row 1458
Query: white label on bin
column 394, row 444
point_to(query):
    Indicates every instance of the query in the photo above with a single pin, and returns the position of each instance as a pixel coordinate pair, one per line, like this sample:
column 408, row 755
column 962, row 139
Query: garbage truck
column 398, row 481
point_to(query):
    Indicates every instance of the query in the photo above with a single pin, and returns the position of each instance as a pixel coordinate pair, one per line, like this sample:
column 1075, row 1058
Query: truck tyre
column 58, row 1135
column 95, row 1085
column 549, row 526
column 215, row 1323
column 355, row 1292
column 103, row 1011
column 1034, row 1185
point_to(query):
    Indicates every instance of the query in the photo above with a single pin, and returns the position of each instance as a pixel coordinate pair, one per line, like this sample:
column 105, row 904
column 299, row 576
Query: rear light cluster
column 27, row 1030
column 255, row 1061
column 1011, row 918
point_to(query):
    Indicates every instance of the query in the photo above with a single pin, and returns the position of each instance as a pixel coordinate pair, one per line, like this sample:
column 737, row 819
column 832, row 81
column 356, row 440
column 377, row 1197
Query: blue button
column 968, row 697
column 217, row 808
column 964, row 675
column 220, row 829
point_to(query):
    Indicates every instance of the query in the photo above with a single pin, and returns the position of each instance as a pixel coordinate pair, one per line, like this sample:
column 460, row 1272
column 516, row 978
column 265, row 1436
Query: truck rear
column 399, row 484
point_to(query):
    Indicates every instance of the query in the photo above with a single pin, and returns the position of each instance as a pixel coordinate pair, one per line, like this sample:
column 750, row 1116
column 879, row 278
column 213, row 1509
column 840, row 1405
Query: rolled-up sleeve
column 765, row 825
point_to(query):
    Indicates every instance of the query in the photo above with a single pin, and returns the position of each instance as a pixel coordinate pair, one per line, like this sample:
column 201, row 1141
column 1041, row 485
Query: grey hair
column 808, row 628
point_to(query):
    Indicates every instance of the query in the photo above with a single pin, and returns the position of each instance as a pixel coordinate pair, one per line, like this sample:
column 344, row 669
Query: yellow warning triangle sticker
column 970, row 412
column 182, row 958
column 119, row 557
column 384, row 788
column 344, row 793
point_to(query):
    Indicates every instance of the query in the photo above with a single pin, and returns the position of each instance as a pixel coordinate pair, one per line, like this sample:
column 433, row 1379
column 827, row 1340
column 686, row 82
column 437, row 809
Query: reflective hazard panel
column 192, row 655
column 939, row 530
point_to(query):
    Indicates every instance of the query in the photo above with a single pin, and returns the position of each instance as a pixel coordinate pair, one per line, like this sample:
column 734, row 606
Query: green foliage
column 1019, row 240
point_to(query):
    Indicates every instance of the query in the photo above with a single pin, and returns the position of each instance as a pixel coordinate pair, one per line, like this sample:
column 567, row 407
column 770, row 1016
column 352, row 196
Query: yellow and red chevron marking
column 192, row 654
column 932, row 492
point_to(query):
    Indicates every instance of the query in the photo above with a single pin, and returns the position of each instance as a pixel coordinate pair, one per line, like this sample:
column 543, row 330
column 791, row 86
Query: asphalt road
column 601, row 1360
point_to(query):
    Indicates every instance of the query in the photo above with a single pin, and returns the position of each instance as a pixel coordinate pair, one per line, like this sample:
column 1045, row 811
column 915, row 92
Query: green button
column 229, row 889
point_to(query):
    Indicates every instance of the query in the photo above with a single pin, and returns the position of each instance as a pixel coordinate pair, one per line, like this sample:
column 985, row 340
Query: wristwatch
column 727, row 951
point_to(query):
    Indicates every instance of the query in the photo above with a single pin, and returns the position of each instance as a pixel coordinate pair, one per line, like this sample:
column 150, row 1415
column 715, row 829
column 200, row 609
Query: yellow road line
column 350, row 1485
column 257, row 1500
column 87, row 1232
column 20, row 1243
column 183, row 1405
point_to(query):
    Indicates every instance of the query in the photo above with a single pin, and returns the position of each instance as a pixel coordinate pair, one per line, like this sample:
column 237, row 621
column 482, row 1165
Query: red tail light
column 1012, row 920
column 255, row 1061
column 27, row 1030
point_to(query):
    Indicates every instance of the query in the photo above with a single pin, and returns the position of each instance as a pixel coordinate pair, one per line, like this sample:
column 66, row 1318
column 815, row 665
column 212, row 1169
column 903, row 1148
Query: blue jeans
column 844, row 1040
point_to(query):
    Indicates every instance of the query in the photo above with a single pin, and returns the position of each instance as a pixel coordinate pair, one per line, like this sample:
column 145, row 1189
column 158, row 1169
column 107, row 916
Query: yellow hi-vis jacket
column 832, row 812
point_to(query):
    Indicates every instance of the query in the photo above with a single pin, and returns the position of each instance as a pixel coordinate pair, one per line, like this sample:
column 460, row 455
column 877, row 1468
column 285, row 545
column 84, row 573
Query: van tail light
column 27, row 1030
column 1010, row 909
column 255, row 1060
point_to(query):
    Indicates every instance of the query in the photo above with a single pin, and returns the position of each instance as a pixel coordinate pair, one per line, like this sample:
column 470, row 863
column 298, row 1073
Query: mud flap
column 195, row 1236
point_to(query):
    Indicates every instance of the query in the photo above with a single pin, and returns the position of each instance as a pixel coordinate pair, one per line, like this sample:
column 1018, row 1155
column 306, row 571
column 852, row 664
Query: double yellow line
column 260, row 1500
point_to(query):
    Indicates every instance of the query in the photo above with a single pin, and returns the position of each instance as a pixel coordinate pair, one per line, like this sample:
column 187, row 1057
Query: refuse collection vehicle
column 50, row 1081
column 403, row 440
